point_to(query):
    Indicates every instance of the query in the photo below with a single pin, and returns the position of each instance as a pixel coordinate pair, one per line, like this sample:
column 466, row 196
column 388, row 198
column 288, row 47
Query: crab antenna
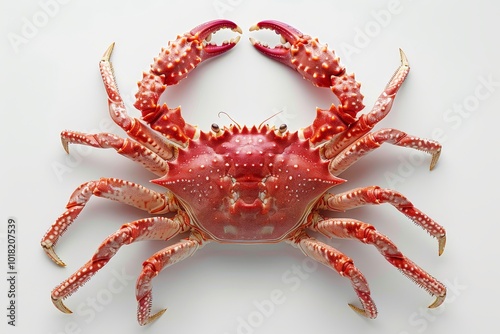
column 267, row 119
column 227, row 115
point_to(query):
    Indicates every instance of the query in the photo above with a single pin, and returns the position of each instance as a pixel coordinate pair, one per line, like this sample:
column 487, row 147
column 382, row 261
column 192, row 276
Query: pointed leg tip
column 65, row 145
column 362, row 312
column 154, row 317
column 59, row 262
column 435, row 158
column 356, row 309
column 442, row 244
column 404, row 59
column 107, row 55
column 157, row 315
column 60, row 305
column 439, row 300
column 49, row 250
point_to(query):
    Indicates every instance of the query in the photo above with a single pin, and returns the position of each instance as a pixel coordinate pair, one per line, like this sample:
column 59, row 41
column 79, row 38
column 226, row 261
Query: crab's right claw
column 49, row 250
column 288, row 34
column 301, row 52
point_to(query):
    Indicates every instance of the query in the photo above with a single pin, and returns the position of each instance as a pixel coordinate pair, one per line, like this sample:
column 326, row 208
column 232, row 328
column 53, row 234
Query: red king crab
column 246, row 185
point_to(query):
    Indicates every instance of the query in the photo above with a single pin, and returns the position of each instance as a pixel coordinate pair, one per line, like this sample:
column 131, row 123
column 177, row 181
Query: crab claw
column 173, row 64
column 288, row 33
column 181, row 56
column 186, row 52
column 203, row 34
column 301, row 52
column 316, row 63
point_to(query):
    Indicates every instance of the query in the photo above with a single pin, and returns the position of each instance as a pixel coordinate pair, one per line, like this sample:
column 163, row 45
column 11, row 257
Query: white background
column 50, row 82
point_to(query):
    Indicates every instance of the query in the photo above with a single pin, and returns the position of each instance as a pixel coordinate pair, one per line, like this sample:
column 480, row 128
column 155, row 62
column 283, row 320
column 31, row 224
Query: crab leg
column 132, row 126
column 366, row 122
column 126, row 147
column 366, row 233
column 376, row 195
column 152, row 267
column 334, row 259
column 171, row 66
column 155, row 228
column 372, row 141
column 114, row 189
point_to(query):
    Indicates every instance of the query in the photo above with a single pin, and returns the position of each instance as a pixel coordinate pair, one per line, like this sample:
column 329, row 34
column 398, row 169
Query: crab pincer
column 301, row 52
column 319, row 65
column 172, row 65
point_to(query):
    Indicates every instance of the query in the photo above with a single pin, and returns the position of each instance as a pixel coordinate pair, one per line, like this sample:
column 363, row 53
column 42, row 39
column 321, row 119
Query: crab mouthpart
column 205, row 31
column 289, row 36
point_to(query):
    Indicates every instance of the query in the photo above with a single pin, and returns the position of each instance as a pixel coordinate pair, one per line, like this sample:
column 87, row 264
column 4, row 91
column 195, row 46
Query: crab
column 246, row 185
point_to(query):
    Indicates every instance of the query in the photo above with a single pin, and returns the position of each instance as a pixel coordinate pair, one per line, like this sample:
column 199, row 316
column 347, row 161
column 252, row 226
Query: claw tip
column 435, row 158
column 154, row 317
column 439, row 300
column 238, row 30
column 60, row 306
column 442, row 244
column 49, row 250
column 107, row 55
column 65, row 145
column 255, row 27
column 404, row 59
column 360, row 311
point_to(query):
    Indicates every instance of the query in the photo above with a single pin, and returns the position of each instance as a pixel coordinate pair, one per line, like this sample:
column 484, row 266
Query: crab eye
column 215, row 128
column 283, row 128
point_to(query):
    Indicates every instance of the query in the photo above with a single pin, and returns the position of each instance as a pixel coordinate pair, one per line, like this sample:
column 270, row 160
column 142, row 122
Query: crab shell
column 248, row 185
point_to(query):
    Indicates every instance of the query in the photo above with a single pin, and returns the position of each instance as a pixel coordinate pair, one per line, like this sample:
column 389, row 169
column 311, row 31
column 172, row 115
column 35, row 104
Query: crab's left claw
column 203, row 35
column 187, row 51
column 173, row 64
